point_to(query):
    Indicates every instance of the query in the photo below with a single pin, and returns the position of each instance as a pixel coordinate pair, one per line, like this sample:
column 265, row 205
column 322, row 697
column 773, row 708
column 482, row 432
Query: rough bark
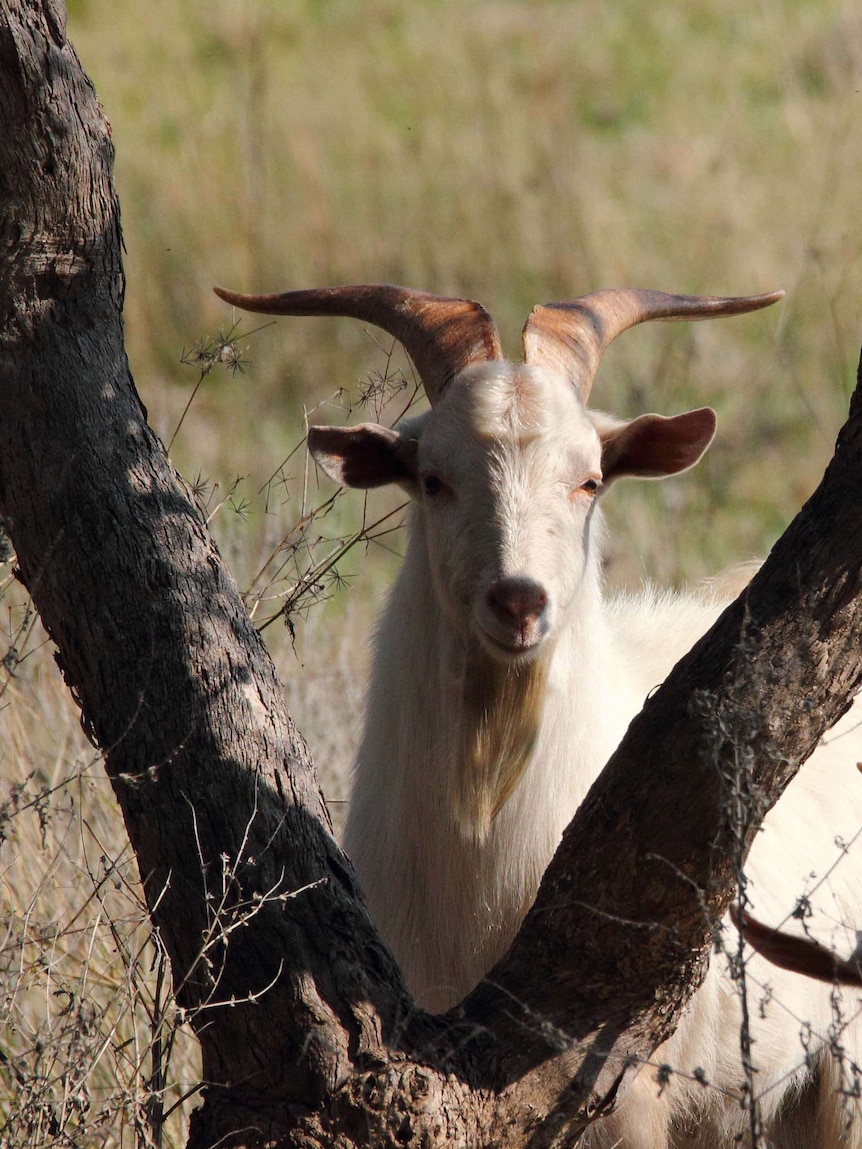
column 309, row 1037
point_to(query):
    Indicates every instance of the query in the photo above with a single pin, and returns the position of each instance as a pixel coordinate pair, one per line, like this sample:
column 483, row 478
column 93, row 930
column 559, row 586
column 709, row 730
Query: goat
column 503, row 679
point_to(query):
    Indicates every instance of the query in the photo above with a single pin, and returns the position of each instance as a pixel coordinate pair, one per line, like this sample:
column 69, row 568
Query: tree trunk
column 309, row 1037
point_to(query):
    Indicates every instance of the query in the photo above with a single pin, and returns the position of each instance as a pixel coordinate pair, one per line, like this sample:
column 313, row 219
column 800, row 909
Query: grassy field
column 512, row 152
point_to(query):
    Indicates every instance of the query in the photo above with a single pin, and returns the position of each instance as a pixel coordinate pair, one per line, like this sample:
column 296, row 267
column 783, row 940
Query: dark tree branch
column 308, row 1034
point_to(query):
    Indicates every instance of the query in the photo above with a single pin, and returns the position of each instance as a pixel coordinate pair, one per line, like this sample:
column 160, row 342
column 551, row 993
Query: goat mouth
column 510, row 649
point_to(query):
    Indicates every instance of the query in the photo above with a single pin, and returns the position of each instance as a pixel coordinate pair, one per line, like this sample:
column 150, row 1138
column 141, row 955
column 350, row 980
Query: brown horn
column 441, row 335
column 572, row 337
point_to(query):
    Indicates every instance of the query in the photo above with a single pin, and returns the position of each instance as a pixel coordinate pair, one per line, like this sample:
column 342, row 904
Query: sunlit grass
column 514, row 152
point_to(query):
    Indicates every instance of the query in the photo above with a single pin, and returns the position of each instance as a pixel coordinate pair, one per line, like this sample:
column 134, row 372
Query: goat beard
column 500, row 723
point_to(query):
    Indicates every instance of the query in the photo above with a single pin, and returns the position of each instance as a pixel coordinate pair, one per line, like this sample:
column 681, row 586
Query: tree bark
column 309, row 1037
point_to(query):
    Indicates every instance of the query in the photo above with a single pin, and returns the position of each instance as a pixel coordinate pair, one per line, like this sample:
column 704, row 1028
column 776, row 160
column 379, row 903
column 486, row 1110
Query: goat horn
column 572, row 337
column 441, row 335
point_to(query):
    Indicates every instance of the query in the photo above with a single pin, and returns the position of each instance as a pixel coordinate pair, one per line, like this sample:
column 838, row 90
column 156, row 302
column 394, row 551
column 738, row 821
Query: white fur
column 513, row 444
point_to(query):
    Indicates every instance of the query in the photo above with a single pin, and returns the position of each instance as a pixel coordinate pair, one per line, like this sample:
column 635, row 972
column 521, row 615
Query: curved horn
column 572, row 337
column 441, row 335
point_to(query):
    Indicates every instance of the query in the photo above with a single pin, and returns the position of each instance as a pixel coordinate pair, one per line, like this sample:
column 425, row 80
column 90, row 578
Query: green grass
column 512, row 152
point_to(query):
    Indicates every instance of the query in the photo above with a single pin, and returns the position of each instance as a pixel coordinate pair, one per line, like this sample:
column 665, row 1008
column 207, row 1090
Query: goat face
column 505, row 470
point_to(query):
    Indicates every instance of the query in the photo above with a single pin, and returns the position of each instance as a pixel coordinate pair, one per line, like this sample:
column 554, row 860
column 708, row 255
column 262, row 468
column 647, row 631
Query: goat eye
column 432, row 484
column 588, row 487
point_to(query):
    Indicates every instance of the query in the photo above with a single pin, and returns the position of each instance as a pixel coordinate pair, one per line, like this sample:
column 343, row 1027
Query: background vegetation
column 514, row 152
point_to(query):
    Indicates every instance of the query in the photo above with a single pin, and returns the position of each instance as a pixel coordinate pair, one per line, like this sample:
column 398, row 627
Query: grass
column 515, row 152
column 86, row 1016
column 93, row 1050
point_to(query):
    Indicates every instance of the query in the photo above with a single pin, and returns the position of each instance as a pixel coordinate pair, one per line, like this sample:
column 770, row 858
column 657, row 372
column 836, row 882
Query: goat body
column 502, row 682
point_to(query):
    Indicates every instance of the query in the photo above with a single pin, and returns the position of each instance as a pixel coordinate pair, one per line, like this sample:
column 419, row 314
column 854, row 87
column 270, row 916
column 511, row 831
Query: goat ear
column 367, row 455
column 654, row 446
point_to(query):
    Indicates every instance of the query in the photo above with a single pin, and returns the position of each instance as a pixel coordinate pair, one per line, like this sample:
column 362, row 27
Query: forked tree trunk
column 317, row 1042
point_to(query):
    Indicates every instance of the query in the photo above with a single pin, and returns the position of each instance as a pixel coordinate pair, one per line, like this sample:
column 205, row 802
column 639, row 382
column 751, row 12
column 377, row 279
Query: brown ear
column 654, row 446
column 367, row 455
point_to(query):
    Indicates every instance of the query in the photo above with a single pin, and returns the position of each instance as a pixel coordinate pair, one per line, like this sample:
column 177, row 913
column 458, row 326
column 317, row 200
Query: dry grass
column 88, row 1029
column 512, row 151
column 93, row 1050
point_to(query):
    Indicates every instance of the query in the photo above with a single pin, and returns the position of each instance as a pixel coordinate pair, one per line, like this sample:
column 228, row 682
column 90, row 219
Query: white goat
column 502, row 682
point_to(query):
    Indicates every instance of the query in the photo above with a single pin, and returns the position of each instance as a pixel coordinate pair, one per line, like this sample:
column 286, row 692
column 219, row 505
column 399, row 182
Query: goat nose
column 518, row 600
